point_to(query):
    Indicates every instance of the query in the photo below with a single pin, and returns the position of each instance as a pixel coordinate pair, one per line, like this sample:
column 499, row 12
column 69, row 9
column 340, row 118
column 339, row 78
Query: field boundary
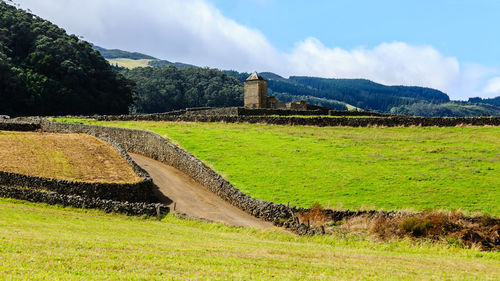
column 129, row 198
column 389, row 121
column 84, row 202
column 141, row 191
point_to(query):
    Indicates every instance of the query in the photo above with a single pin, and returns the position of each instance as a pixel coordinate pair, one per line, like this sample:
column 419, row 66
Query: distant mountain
column 339, row 94
column 360, row 93
column 492, row 101
column 122, row 58
column 115, row 54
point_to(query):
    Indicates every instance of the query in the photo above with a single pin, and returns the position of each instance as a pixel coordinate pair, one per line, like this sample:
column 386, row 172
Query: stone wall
column 129, row 198
column 142, row 191
column 53, row 198
column 393, row 121
column 238, row 111
column 15, row 125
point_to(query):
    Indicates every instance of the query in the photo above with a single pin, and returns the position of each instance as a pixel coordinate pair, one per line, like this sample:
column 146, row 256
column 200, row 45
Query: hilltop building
column 256, row 96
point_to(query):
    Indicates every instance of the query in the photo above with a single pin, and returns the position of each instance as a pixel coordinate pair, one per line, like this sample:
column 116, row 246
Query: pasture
column 413, row 168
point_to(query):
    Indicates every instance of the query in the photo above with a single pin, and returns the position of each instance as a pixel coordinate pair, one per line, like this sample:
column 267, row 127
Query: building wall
column 255, row 94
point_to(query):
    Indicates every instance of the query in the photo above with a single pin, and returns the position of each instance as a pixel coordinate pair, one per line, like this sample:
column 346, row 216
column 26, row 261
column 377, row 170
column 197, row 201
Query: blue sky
column 466, row 29
column 450, row 45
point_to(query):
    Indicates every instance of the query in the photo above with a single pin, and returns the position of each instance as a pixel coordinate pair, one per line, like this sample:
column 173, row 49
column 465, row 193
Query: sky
column 450, row 45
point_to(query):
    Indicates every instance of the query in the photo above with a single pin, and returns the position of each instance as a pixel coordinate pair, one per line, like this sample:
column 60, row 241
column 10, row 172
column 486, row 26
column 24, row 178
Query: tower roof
column 255, row 76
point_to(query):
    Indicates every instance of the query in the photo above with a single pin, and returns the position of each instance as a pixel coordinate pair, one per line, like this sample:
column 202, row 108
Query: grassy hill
column 129, row 63
column 49, row 242
column 133, row 60
column 63, row 156
column 380, row 168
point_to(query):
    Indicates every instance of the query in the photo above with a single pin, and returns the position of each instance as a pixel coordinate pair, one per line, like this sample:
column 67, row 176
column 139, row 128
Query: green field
column 381, row 168
column 47, row 242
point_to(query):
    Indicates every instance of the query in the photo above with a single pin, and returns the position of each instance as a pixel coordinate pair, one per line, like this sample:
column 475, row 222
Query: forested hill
column 45, row 71
column 361, row 93
column 161, row 89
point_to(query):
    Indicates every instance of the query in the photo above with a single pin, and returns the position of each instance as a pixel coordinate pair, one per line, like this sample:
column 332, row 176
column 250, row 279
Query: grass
column 383, row 168
column 129, row 63
column 76, row 157
column 49, row 242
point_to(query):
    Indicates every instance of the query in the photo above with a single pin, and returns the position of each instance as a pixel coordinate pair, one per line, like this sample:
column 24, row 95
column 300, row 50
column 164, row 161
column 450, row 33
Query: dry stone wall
column 53, row 198
column 393, row 121
column 134, row 192
column 14, row 125
column 129, row 198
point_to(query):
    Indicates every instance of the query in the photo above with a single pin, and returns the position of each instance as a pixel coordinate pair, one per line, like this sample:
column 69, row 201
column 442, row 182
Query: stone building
column 255, row 91
column 255, row 87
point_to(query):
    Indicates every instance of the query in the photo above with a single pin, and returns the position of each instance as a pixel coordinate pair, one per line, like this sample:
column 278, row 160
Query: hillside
column 161, row 89
column 133, row 59
column 115, row 54
column 45, row 71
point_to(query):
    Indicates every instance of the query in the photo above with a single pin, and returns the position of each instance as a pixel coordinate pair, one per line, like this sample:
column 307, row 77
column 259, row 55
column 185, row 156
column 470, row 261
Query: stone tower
column 255, row 91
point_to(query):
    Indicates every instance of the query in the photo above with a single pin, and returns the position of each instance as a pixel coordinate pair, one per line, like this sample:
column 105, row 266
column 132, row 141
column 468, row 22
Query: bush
column 416, row 227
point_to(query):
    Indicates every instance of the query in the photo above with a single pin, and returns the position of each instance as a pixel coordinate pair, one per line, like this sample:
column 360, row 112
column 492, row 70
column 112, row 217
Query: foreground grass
column 382, row 168
column 77, row 157
column 46, row 242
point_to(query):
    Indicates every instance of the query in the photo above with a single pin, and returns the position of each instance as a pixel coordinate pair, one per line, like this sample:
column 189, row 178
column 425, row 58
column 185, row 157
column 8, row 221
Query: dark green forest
column 161, row 89
column 492, row 101
column 45, row 71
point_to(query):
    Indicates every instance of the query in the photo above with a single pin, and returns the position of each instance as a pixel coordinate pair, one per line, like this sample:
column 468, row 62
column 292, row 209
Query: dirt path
column 192, row 198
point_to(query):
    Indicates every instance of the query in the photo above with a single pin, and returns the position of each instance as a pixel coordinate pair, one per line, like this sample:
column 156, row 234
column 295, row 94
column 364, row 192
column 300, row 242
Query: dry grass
column 453, row 227
column 129, row 63
column 76, row 157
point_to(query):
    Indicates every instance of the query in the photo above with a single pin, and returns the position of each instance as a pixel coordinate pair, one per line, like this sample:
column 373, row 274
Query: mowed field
column 412, row 168
column 48, row 242
column 76, row 157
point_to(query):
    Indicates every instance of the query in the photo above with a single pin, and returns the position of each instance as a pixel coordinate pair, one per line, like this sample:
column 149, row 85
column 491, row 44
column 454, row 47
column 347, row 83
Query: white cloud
column 194, row 31
column 493, row 86
column 389, row 63
column 190, row 31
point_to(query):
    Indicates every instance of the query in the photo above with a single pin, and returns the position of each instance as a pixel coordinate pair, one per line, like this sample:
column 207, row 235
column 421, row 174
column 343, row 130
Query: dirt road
column 192, row 198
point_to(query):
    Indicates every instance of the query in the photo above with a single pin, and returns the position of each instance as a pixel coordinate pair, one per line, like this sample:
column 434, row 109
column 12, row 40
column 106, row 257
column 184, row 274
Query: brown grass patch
column 315, row 216
column 482, row 232
column 77, row 157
